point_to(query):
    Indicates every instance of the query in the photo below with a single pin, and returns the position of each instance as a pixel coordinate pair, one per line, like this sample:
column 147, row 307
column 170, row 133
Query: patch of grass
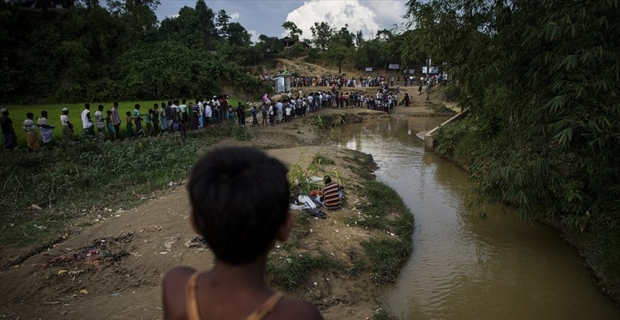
column 600, row 246
column 291, row 272
column 327, row 121
column 382, row 314
column 361, row 163
column 322, row 160
column 386, row 257
column 387, row 212
column 84, row 177
column 289, row 269
column 440, row 108
column 359, row 266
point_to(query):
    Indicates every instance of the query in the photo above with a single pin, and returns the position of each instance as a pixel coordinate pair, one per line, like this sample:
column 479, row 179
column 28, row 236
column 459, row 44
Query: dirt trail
column 300, row 66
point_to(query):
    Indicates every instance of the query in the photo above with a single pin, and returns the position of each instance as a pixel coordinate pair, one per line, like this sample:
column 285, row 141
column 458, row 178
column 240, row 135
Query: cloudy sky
column 267, row 16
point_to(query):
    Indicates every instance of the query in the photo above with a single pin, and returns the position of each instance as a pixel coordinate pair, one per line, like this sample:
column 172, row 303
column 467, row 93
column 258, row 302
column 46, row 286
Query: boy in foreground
column 240, row 223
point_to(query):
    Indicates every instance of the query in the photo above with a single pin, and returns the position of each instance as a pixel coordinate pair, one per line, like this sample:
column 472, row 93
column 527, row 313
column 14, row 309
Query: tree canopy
column 93, row 53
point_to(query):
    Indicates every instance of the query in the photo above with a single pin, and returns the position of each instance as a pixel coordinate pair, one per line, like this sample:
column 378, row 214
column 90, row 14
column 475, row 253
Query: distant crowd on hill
column 362, row 82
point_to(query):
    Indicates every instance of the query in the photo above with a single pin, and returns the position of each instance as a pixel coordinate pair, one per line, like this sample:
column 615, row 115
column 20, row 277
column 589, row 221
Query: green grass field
column 18, row 115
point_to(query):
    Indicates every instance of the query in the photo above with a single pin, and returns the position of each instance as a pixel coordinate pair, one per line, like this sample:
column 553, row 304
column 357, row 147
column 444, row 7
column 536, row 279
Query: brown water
column 463, row 267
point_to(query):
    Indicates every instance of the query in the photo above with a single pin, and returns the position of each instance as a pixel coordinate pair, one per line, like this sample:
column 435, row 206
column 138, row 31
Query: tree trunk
column 340, row 66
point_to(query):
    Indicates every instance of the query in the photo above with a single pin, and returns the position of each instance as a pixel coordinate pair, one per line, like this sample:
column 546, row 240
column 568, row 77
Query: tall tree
column 221, row 22
column 206, row 24
column 322, row 34
column 137, row 15
column 293, row 31
column 359, row 38
column 345, row 35
column 339, row 50
column 237, row 35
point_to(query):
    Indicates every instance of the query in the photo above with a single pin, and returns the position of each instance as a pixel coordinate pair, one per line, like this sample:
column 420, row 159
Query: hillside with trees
column 88, row 52
column 122, row 52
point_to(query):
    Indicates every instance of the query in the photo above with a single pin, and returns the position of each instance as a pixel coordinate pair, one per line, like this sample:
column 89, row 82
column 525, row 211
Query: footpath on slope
column 112, row 266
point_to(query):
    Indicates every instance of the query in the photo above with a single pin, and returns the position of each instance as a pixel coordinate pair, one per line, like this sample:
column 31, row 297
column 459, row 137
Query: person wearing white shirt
column 87, row 123
column 271, row 114
column 288, row 113
column 279, row 110
column 215, row 107
column 99, row 121
column 67, row 127
column 201, row 113
column 208, row 115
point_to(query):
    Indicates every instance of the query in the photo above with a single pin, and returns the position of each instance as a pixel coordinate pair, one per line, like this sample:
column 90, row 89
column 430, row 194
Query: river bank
column 596, row 245
column 339, row 263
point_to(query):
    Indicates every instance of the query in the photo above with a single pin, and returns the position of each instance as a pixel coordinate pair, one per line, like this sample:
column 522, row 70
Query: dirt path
column 112, row 266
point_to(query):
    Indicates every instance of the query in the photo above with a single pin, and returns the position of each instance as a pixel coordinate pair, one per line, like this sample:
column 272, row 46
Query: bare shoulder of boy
column 174, row 285
column 297, row 309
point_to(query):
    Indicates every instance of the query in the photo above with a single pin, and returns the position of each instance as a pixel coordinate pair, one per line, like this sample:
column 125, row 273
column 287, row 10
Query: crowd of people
column 361, row 82
column 177, row 116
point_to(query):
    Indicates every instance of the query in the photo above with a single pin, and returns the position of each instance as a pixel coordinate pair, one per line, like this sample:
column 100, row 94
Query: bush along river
column 464, row 267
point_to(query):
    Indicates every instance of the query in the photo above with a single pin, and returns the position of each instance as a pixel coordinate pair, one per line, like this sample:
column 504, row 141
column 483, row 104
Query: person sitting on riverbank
column 332, row 193
column 240, row 223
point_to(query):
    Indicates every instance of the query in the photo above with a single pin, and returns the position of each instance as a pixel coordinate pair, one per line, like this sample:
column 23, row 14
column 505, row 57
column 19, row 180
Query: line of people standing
column 171, row 116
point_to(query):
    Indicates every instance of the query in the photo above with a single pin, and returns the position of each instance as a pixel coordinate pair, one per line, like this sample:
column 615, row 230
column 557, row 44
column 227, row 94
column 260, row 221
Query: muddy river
column 463, row 267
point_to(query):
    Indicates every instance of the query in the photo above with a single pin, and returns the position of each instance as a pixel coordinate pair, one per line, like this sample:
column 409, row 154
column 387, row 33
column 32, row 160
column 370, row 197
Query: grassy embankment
column 598, row 245
column 18, row 115
column 44, row 192
column 382, row 255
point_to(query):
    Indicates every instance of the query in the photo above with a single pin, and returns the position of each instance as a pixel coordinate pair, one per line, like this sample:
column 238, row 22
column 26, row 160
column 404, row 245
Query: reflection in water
column 462, row 267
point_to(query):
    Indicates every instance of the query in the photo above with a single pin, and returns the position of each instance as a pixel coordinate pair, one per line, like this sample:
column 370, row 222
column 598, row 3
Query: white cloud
column 389, row 12
column 337, row 14
column 234, row 16
column 253, row 35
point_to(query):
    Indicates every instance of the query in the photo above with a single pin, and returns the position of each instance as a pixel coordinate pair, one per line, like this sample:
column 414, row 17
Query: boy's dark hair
column 239, row 198
column 29, row 115
column 109, row 112
column 128, row 113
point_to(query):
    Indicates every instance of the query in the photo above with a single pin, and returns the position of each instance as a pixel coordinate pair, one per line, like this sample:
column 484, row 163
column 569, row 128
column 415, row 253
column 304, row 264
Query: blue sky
column 267, row 16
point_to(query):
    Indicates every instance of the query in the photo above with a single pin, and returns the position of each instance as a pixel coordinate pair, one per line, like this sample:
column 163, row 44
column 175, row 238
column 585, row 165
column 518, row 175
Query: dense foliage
column 541, row 81
column 121, row 52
